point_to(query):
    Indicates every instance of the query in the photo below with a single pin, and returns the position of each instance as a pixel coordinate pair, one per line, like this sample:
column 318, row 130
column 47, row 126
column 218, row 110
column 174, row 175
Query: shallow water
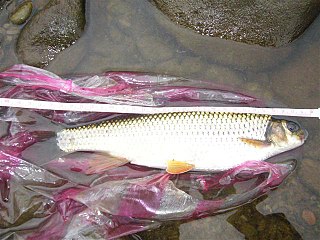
column 134, row 35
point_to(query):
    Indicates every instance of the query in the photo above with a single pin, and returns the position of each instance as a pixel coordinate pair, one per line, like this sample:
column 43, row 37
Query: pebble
column 309, row 217
column 21, row 13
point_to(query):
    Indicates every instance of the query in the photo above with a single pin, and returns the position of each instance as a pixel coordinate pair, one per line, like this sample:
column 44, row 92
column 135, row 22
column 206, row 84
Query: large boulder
column 266, row 23
column 57, row 26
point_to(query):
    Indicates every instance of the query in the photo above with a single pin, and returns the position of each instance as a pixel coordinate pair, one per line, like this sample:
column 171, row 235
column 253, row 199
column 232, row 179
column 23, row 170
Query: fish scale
column 203, row 139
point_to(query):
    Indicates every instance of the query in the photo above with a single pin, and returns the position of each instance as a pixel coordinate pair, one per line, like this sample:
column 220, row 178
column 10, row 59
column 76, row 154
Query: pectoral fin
column 256, row 143
column 177, row 167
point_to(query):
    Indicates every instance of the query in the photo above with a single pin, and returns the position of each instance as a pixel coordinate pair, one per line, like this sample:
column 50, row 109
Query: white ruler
column 100, row 107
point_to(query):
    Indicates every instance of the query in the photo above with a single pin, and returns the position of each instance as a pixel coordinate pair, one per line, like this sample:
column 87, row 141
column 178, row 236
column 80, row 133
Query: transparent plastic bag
column 58, row 199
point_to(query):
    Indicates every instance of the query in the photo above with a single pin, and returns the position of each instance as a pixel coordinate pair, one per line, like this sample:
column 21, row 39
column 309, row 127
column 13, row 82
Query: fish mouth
column 304, row 135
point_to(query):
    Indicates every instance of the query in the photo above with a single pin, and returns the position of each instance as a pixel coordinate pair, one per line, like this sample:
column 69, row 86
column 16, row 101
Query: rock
column 13, row 30
column 309, row 174
column 301, row 198
column 255, row 225
column 190, row 67
column 223, row 75
column 1, row 53
column 2, row 31
column 6, row 3
column 21, row 13
column 68, row 60
column 3, row 128
column 215, row 227
column 40, row 4
column 237, row 55
column 50, row 31
column 266, row 23
column 147, row 46
column 309, row 217
column 170, row 67
column 287, row 80
column 311, row 147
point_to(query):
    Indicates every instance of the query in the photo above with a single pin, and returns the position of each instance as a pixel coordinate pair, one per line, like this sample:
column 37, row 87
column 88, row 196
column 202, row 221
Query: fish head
column 285, row 134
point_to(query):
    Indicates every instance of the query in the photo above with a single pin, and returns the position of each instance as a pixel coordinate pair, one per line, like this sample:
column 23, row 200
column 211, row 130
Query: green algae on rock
column 266, row 23
column 21, row 13
column 50, row 31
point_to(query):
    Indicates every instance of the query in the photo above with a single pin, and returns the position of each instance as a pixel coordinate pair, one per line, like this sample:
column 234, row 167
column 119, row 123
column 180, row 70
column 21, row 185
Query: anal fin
column 104, row 161
column 178, row 167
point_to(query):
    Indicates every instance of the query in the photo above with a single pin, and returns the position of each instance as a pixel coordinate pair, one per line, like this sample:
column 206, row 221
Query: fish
column 185, row 141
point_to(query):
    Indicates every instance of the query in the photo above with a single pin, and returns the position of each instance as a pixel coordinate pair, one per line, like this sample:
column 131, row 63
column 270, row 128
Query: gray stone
column 53, row 29
column 266, row 23
column 216, row 50
column 309, row 174
column 40, row 4
column 153, row 49
column 215, row 227
column 223, row 75
column 299, row 78
column 67, row 60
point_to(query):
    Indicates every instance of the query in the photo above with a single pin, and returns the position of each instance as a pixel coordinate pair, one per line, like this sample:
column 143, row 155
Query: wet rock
column 223, row 75
column 309, row 174
column 3, row 128
column 67, row 61
column 309, row 217
column 255, row 225
column 170, row 67
column 299, row 79
column 50, row 31
column 13, row 30
column 237, row 55
column 167, row 231
column 96, row 63
column 300, row 199
column 186, row 66
column 21, row 13
column 1, row 54
column 40, row 4
column 267, row 23
column 215, row 227
column 5, row 3
column 153, row 49
column 311, row 147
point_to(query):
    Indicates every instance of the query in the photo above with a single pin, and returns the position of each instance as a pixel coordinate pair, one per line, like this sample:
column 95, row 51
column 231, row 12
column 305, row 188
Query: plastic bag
column 58, row 199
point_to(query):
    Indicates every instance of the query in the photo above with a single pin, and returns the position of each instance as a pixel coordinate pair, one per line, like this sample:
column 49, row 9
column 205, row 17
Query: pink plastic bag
column 59, row 199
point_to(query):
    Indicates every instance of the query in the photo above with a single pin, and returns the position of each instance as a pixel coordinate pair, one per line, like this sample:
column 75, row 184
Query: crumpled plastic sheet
column 58, row 199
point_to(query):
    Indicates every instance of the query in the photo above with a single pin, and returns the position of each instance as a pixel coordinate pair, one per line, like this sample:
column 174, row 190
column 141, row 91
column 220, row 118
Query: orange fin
column 177, row 167
column 255, row 143
column 100, row 162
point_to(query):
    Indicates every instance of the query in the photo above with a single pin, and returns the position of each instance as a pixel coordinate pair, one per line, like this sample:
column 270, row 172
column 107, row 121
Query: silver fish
column 183, row 141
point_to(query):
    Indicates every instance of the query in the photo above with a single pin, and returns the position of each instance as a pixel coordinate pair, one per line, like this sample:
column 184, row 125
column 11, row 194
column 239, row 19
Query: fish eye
column 293, row 127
